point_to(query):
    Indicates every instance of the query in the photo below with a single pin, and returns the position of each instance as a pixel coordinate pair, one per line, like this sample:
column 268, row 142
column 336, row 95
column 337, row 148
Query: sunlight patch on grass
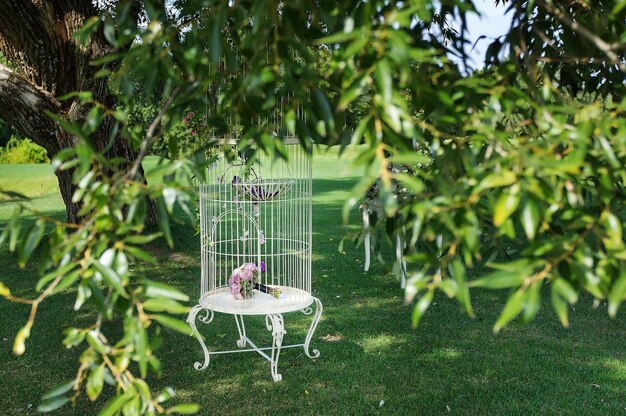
column 378, row 343
column 445, row 354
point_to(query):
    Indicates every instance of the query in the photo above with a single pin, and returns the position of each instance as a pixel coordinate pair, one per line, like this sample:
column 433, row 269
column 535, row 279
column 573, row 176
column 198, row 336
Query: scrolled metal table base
column 273, row 322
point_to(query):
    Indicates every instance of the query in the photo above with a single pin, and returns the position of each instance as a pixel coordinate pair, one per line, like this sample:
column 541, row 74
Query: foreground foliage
column 519, row 167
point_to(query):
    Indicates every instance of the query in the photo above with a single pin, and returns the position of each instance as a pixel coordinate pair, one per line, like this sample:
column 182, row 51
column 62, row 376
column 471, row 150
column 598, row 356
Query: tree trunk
column 37, row 38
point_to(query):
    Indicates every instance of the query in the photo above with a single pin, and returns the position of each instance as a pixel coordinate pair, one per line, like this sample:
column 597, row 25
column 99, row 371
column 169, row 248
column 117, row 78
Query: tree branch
column 151, row 134
column 24, row 106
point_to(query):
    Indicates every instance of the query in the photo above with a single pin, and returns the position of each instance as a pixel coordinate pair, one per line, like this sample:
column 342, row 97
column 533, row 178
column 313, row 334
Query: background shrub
column 22, row 150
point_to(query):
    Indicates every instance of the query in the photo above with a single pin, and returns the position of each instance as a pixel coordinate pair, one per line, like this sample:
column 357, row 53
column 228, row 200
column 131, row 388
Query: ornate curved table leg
column 191, row 320
column 275, row 324
column 241, row 328
column 309, row 335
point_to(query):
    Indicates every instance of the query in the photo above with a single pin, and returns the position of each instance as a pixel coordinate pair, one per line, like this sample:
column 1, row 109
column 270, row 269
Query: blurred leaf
column 173, row 323
column 184, row 409
column 565, row 290
column 420, row 307
column 496, row 180
column 532, row 301
column 617, row 294
column 512, row 308
column 463, row 294
column 32, row 241
column 560, row 306
column 162, row 290
column 111, row 277
column 95, row 382
column 114, row 405
column 502, row 279
column 161, row 304
column 505, row 206
column 4, row 291
column 59, row 390
column 530, row 218
column 52, row 404
column 94, row 340
column 164, row 221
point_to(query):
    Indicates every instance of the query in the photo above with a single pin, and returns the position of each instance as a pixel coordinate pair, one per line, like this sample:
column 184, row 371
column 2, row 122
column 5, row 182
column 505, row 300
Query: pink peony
column 235, row 289
column 247, row 275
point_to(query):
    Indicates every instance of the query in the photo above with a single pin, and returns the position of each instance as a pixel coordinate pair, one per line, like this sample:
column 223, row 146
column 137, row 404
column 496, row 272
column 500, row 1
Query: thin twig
column 151, row 134
column 607, row 49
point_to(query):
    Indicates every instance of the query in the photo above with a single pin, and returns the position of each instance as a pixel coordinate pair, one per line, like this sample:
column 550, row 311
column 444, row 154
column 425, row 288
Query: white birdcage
column 255, row 222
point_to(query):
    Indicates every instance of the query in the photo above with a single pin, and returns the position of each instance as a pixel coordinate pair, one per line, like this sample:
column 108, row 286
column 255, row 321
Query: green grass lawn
column 372, row 361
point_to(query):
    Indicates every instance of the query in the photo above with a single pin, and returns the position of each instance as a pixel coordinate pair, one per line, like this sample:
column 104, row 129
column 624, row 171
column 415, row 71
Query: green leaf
column 141, row 342
column 164, row 221
column 140, row 254
column 115, row 404
column 619, row 6
column 323, row 108
column 409, row 158
column 111, row 277
column 338, row 37
column 19, row 344
column 52, row 404
column 53, row 275
column 67, row 281
column 70, row 127
column 142, row 239
column 143, row 388
column 565, row 290
column 384, row 80
column 5, row 292
column 608, row 151
column 502, row 279
column 560, row 306
column 496, row 180
column 532, row 302
column 512, row 308
column 505, row 206
column 351, row 93
column 413, row 184
column 173, row 323
column 462, row 294
column 156, row 290
column 95, row 342
column 169, row 196
column 617, row 294
column 73, row 337
column 161, row 304
column 420, row 307
column 95, row 382
column 613, row 228
column 184, row 409
column 530, row 218
column 59, row 390
column 165, row 395
column 31, row 242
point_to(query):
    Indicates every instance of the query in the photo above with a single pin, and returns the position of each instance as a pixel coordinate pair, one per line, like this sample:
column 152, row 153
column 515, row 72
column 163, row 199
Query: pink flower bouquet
column 243, row 279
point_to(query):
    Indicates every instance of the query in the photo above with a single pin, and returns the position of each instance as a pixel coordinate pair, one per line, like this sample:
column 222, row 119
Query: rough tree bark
column 36, row 36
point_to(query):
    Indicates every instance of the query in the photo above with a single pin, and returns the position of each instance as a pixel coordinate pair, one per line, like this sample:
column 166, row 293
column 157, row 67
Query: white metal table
column 289, row 300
